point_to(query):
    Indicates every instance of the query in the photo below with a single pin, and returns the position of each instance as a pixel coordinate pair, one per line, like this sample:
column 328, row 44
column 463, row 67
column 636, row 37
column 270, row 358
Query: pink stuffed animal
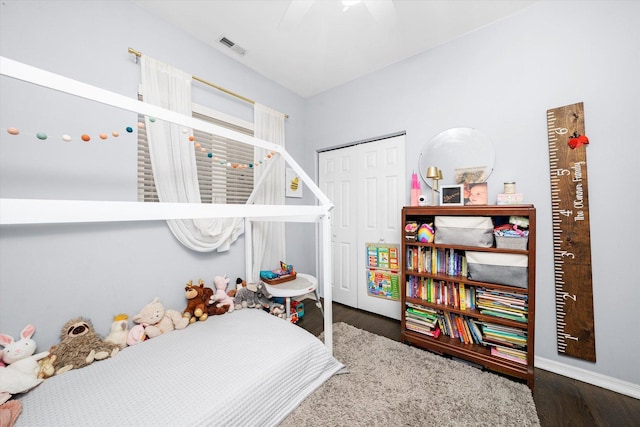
column 136, row 335
column 220, row 297
column 21, row 373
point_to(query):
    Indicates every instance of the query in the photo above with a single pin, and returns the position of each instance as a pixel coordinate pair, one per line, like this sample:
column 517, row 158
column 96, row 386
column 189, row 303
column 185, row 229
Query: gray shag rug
column 392, row 384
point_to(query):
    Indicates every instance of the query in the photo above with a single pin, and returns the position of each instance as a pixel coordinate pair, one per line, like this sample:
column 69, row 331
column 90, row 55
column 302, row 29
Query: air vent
column 231, row 45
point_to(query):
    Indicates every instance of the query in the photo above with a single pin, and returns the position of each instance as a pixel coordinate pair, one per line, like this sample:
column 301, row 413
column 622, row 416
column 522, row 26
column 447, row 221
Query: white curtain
column 268, row 237
column 173, row 159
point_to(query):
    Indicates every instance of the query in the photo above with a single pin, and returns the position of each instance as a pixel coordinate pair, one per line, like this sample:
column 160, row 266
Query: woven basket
column 519, row 243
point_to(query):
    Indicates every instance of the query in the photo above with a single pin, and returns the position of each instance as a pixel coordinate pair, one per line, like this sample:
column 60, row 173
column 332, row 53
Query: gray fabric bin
column 502, row 269
column 464, row 231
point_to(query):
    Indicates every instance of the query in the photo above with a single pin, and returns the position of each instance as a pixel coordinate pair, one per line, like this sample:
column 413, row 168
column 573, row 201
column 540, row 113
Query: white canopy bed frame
column 38, row 211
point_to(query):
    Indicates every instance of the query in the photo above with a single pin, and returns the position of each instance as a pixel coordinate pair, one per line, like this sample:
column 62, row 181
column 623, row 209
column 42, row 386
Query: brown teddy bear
column 197, row 299
column 79, row 346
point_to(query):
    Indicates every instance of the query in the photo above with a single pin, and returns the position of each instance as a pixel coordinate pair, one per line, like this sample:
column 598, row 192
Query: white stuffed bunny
column 21, row 373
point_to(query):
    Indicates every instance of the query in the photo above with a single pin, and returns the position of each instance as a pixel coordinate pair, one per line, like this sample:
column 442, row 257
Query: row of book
column 445, row 261
column 507, row 305
column 452, row 294
column 504, row 341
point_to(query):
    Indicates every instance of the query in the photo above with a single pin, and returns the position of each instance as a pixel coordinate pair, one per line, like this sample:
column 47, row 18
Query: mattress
column 245, row 368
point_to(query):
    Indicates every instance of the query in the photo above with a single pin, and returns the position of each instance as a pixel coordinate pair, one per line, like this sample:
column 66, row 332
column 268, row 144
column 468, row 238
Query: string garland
column 42, row 136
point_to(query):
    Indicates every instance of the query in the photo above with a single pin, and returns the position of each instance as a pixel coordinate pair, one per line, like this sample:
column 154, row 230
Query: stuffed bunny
column 21, row 373
column 220, row 297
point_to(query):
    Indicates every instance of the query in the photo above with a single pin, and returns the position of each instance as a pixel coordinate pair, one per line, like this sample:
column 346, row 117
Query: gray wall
column 502, row 80
column 52, row 273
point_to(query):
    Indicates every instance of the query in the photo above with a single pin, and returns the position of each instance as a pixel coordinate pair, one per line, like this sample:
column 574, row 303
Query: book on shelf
column 475, row 331
column 504, row 315
column 505, row 335
column 503, row 353
column 435, row 333
column 508, row 305
column 425, row 259
column 442, row 292
column 422, row 319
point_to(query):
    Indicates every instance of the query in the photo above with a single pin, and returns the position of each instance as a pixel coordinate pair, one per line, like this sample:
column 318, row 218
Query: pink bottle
column 415, row 189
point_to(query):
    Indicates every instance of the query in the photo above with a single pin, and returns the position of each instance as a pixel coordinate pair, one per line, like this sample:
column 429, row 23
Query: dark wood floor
column 560, row 401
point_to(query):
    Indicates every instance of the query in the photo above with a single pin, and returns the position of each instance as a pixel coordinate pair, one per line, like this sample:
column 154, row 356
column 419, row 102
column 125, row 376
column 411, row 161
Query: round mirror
column 461, row 154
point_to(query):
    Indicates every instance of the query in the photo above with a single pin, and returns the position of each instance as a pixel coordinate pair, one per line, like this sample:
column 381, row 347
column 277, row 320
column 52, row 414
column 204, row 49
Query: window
column 219, row 182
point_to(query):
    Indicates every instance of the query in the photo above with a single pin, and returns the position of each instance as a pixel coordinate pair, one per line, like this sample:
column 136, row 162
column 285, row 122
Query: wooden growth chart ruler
column 571, row 233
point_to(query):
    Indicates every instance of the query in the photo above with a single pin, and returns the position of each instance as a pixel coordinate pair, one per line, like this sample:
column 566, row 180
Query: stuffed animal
column 197, row 300
column 157, row 320
column 247, row 297
column 20, row 373
column 119, row 331
column 46, row 365
column 239, row 285
column 215, row 309
column 264, row 297
column 280, row 311
column 80, row 346
column 220, row 297
column 136, row 335
column 9, row 413
column 21, row 349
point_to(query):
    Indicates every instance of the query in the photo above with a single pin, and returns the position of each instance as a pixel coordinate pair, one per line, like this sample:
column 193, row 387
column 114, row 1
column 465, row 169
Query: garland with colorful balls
column 42, row 136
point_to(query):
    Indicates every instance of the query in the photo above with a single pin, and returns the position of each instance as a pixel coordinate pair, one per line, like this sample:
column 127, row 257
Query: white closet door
column 367, row 184
column 338, row 176
column 380, row 197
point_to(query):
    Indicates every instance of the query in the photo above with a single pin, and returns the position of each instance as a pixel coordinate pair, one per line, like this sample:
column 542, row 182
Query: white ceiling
column 327, row 46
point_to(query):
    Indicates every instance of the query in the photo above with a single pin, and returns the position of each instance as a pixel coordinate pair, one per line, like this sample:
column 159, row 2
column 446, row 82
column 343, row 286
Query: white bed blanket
column 245, row 368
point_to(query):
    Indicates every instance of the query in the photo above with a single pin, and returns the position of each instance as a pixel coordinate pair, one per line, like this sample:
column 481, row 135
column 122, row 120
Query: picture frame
column 293, row 184
column 476, row 194
column 452, row 195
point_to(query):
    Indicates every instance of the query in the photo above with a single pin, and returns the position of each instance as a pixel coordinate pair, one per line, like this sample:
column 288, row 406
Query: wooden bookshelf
column 476, row 350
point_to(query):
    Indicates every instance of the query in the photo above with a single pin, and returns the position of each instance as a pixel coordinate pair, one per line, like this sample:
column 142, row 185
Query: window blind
column 218, row 180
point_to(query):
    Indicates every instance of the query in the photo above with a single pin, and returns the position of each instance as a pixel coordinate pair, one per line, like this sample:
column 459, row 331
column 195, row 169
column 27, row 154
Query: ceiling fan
column 383, row 11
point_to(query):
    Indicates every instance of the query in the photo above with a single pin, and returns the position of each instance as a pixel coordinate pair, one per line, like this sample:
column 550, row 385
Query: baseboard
column 610, row 383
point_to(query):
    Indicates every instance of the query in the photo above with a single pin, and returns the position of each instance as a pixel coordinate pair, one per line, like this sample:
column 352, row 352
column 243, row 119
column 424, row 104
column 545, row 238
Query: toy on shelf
column 284, row 274
column 20, row 373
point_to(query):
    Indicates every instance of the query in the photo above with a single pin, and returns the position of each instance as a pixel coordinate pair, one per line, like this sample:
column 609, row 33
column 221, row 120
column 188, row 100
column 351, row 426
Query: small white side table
column 301, row 285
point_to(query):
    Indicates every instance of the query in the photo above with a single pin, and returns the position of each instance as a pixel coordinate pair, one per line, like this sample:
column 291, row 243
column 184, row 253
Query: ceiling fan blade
column 383, row 11
column 295, row 12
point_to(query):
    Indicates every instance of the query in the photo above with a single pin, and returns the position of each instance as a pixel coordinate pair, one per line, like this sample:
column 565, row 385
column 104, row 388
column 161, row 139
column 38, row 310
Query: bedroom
column 478, row 80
